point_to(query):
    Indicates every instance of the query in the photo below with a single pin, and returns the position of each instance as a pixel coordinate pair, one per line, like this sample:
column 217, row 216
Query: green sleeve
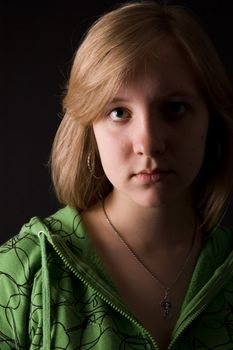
column 19, row 261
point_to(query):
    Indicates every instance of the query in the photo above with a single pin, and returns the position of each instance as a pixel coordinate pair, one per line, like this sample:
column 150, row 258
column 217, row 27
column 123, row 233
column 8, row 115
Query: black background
column 37, row 45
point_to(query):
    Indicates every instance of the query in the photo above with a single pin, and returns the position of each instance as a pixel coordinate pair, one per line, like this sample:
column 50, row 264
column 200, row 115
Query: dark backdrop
column 37, row 46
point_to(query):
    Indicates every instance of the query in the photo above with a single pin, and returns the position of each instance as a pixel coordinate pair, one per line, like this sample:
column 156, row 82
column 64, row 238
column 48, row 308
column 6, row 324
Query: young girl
column 143, row 161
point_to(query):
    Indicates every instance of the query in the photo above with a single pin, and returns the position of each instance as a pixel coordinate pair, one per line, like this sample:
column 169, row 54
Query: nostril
column 150, row 148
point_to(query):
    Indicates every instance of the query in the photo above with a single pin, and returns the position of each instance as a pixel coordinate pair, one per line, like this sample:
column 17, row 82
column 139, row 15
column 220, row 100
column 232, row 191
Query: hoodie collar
column 67, row 233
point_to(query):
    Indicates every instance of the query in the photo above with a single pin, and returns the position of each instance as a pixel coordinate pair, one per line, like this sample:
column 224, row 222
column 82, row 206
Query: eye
column 176, row 108
column 118, row 114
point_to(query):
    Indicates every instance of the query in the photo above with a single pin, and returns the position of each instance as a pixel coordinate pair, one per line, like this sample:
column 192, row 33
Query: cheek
column 111, row 151
column 110, row 144
column 197, row 152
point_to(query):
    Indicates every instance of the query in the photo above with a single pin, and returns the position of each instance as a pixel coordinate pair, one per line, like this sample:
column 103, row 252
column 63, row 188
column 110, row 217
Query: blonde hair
column 109, row 53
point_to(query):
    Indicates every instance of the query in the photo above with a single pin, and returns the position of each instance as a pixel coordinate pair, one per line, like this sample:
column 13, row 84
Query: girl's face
column 152, row 138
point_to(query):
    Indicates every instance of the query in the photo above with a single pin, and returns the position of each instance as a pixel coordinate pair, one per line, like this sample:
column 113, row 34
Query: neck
column 150, row 229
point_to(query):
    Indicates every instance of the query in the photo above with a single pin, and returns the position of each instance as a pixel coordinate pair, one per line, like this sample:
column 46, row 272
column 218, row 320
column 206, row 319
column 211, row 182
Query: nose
column 149, row 137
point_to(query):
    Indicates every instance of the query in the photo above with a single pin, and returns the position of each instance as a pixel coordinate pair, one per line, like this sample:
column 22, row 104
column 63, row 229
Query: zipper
column 186, row 322
column 181, row 330
column 127, row 316
column 100, row 295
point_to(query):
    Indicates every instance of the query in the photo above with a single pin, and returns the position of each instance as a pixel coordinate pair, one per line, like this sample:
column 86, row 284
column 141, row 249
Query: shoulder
column 19, row 263
column 222, row 239
column 20, row 257
column 21, row 260
column 22, row 253
column 218, row 247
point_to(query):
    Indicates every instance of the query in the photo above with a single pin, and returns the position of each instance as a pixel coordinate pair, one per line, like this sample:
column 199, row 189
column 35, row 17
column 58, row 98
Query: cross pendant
column 166, row 305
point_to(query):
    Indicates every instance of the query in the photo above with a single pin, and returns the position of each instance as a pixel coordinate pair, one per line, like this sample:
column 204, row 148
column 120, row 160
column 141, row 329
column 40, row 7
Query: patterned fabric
column 56, row 294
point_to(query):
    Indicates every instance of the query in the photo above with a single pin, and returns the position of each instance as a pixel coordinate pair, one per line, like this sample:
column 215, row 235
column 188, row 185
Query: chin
column 158, row 199
column 151, row 202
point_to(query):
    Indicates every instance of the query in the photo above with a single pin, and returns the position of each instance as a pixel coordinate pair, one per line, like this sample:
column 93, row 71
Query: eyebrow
column 178, row 93
column 182, row 93
column 118, row 100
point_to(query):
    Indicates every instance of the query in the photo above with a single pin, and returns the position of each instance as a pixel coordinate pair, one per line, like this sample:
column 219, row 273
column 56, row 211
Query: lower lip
column 145, row 178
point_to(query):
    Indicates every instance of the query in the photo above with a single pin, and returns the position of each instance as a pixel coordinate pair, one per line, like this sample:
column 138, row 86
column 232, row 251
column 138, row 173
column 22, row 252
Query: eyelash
column 167, row 110
column 117, row 109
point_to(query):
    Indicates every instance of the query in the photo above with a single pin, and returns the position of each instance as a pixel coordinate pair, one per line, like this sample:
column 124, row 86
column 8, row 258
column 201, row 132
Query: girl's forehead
column 168, row 56
column 165, row 78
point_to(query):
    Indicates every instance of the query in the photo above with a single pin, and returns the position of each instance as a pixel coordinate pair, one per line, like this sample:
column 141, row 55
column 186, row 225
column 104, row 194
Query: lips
column 153, row 171
column 148, row 176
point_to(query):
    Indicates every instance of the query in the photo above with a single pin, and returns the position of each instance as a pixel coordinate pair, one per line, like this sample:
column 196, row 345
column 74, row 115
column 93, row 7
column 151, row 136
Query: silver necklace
column 166, row 303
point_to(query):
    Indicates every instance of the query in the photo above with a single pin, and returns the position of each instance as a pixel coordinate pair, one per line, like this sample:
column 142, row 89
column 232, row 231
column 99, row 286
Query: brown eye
column 175, row 108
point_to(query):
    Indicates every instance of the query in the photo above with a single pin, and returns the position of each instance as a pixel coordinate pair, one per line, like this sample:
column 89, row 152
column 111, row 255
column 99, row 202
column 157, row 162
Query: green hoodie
column 56, row 294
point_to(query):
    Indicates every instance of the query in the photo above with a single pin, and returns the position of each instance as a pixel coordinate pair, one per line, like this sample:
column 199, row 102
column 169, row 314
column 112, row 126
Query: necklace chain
column 166, row 303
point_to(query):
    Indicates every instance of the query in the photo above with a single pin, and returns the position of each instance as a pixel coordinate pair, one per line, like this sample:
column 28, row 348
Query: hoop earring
column 92, row 168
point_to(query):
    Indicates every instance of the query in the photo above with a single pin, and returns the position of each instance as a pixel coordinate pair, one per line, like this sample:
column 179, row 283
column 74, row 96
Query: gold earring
column 92, row 167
